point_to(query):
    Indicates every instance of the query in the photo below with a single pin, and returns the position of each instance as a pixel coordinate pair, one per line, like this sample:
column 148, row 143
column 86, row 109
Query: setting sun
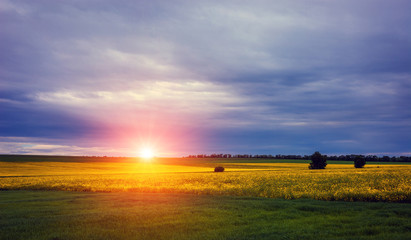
column 146, row 153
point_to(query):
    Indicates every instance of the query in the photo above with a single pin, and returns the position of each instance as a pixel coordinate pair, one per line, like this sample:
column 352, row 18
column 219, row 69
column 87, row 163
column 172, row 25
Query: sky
column 108, row 78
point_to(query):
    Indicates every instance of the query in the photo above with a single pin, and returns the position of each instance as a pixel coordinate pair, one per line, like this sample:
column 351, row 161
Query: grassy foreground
column 389, row 183
column 73, row 215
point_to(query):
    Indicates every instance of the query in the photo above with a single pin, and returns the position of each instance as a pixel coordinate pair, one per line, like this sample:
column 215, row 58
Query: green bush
column 318, row 161
column 359, row 161
column 219, row 169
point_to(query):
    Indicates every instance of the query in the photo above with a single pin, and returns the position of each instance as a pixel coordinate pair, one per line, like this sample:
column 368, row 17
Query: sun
column 146, row 153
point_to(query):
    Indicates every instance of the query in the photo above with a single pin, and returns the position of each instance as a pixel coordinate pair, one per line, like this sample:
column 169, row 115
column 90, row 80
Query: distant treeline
column 349, row 157
column 49, row 158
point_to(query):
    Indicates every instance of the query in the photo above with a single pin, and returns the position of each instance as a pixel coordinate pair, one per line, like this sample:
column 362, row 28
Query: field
column 184, row 199
column 390, row 183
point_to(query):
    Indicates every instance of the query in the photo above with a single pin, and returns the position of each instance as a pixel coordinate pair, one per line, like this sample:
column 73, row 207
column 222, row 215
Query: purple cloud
column 209, row 76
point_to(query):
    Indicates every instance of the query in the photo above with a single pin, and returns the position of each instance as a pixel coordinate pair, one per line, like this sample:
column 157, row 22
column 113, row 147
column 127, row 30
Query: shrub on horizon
column 359, row 161
column 318, row 161
column 219, row 169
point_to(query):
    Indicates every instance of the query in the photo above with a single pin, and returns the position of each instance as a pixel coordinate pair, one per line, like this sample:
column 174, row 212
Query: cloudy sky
column 185, row 77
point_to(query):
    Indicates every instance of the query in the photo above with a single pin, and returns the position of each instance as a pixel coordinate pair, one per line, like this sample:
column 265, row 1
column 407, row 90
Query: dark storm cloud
column 286, row 77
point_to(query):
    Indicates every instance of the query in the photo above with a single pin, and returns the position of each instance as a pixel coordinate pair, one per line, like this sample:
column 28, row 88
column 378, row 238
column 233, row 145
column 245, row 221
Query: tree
column 318, row 161
column 386, row 158
column 359, row 161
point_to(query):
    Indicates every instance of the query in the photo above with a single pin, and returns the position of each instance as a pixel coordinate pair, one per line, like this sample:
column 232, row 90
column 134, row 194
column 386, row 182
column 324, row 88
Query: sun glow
column 146, row 153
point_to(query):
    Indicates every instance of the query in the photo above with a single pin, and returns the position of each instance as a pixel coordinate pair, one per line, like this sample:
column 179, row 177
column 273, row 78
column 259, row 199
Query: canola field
column 374, row 182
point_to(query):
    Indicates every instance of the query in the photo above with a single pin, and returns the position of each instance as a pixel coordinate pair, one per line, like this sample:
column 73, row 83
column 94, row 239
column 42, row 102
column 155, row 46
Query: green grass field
column 72, row 198
column 74, row 215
